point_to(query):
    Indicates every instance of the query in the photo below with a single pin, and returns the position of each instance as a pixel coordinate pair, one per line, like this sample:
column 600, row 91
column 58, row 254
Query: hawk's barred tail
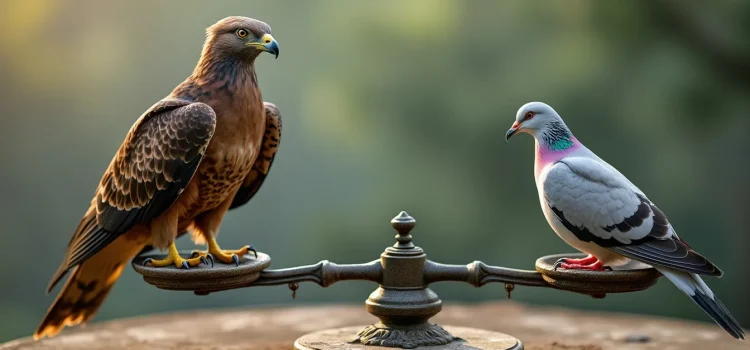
column 692, row 285
column 88, row 286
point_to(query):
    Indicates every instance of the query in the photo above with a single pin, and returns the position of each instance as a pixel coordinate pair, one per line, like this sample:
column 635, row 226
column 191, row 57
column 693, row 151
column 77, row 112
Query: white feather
column 593, row 195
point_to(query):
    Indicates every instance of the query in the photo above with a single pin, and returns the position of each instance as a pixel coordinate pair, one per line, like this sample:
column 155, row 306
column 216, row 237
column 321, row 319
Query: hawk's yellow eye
column 241, row 33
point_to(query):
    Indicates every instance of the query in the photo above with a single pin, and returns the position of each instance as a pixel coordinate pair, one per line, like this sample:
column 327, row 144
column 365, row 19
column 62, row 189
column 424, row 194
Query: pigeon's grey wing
column 598, row 204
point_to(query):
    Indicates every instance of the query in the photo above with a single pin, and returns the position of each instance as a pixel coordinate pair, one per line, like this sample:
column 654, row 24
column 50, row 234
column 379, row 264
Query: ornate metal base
column 465, row 339
column 404, row 337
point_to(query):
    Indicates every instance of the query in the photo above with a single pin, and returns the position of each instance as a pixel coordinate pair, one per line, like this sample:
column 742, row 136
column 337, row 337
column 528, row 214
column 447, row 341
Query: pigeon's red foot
column 584, row 261
column 590, row 263
column 597, row 266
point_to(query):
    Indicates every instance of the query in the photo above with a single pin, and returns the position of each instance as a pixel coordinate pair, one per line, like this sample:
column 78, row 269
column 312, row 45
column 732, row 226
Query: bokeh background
column 387, row 105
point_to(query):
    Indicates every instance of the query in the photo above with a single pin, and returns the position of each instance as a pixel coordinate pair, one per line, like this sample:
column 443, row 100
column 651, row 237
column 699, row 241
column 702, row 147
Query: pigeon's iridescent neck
column 554, row 142
column 555, row 151
column 561, row 144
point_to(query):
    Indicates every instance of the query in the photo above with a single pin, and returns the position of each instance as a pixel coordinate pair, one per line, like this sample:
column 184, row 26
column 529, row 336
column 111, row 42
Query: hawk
column 204, row 149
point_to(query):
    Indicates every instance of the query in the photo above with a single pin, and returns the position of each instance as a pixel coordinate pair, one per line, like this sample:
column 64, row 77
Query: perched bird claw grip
column 205, row 259
column 251, row 248
column 559, row 263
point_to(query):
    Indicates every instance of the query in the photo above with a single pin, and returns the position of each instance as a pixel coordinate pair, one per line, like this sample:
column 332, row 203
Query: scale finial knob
column 403, row 223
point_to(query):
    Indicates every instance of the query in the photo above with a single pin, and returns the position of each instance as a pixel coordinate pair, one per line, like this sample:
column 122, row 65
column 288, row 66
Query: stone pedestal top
column 278, row 328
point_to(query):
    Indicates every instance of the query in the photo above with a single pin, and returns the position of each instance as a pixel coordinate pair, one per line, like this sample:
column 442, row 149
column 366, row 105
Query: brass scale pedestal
column 403, row 302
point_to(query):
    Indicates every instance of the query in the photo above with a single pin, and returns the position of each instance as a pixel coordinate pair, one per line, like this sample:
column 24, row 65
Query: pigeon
column 598, row 211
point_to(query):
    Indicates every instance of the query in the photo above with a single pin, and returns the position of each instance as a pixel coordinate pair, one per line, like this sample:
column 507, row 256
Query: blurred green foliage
column 387, row 105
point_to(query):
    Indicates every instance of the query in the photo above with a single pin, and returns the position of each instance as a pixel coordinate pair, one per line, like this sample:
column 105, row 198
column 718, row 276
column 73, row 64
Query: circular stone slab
column 470, row 339
column 202, row 278
column 594, row 283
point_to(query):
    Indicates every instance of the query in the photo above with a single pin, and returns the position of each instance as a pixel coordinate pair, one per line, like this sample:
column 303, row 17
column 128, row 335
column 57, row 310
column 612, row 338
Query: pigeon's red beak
column 512, row 130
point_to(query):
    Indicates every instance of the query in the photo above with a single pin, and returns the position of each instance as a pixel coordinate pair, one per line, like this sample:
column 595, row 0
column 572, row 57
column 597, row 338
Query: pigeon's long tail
column 692, row 285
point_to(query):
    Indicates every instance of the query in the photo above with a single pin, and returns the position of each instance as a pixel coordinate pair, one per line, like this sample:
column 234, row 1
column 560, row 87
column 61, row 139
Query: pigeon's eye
column 528, row 115
column 241, row 33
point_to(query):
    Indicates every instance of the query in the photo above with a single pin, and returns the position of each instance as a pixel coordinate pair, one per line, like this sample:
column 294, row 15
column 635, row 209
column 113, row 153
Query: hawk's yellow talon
column 174, row 258
column 225, row 256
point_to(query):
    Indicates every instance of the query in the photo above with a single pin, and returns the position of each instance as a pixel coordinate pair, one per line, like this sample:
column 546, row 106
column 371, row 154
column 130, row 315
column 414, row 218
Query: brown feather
column 180, row 165
column 90, row 283
column 263, row 162
column 122, row 200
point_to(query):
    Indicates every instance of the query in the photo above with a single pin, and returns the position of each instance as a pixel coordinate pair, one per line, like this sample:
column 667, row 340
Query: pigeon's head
column 240, row 37
column 534, row 118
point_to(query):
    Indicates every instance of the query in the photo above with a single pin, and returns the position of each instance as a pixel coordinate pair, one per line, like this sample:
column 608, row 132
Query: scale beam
column 403, row 301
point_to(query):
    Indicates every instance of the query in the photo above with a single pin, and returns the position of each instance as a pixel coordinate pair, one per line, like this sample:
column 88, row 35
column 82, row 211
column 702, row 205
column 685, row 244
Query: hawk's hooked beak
column 513, row 129
column 267, row 43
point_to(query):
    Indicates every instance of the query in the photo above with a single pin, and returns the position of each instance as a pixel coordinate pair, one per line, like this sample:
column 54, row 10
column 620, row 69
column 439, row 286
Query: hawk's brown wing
column 156, row 161
column 263, row 162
